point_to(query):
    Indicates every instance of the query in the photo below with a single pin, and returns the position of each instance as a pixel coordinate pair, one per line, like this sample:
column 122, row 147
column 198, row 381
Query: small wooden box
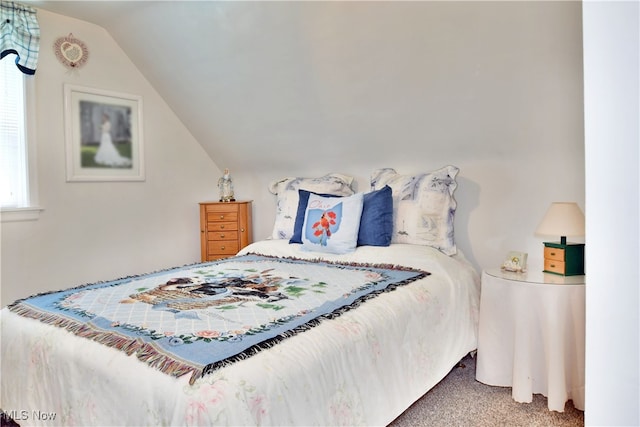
column 564, row 259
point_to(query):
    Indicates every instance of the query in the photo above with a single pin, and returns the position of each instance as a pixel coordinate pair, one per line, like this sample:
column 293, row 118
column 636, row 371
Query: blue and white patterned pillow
column 424, row 207
column 331, row 224
column 376, row 222
column 287, row 197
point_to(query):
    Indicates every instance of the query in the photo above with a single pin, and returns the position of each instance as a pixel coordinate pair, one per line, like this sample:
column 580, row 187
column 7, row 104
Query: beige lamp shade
column 562, row 219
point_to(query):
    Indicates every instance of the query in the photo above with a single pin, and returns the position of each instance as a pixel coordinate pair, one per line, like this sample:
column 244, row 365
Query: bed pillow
column 424, row 206
column 303, row 199
column 331, row 224
column 376, row 221
column 287, row 197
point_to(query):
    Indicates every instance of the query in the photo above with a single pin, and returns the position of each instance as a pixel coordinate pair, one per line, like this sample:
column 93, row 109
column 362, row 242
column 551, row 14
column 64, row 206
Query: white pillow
column 331, row 224
column 423, row 206
column 287, row 201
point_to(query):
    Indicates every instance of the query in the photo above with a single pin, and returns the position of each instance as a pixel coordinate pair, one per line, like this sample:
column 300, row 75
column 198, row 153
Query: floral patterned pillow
column 423, row 206
column 287, row 201
column 331, row 224
column 376, row 221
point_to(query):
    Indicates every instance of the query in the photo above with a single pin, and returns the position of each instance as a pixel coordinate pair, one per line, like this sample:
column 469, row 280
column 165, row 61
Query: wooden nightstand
column 566, row 259
column 225, row 228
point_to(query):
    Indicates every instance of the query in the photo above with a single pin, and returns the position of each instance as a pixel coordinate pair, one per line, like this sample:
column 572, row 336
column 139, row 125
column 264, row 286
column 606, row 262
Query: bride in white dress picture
column 107, row 154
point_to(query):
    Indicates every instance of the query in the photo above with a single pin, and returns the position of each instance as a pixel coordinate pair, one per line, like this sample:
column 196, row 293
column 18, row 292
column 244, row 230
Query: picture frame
column 104, row 135
column 515, row 262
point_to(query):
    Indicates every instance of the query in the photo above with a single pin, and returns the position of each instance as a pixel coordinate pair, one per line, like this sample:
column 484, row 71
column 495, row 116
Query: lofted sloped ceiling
column 264, row 84
column 267, row 85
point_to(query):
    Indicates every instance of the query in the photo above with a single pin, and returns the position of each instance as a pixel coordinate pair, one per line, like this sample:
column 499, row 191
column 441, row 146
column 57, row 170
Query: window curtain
column 19, row 34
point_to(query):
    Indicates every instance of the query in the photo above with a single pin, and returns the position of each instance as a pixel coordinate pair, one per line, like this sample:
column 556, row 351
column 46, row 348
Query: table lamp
column 564, row 219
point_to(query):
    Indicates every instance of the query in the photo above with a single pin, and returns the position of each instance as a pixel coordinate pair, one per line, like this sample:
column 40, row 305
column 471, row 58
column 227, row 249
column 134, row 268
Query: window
column 19, row 49
column 13, row 185
column 17, row 179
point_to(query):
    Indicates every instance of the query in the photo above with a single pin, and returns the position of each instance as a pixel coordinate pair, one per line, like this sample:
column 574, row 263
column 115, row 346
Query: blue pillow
column 376, row 222
column 331, row 224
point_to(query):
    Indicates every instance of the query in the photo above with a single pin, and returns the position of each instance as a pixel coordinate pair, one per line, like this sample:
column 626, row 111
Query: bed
column 361, row 364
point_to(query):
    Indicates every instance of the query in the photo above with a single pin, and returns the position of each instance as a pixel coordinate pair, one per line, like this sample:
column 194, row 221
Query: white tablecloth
column 531, row 336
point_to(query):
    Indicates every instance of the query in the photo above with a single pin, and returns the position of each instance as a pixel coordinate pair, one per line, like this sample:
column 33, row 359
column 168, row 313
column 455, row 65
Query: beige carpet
column 460, row 400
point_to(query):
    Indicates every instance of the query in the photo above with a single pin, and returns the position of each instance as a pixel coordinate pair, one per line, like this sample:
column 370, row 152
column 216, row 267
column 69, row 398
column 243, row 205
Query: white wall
column 98, row 231
column 494, row 88
column 273, row 89
column 612, row 121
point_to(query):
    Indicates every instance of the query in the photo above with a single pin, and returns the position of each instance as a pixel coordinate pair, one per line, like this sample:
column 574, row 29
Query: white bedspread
column 363, row 368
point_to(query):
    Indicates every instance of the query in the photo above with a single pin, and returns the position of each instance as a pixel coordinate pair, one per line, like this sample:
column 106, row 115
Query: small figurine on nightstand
column 225, row 185
column 516, row 262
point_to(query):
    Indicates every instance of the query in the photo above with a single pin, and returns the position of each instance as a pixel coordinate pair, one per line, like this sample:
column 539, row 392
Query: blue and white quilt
column 197, row 318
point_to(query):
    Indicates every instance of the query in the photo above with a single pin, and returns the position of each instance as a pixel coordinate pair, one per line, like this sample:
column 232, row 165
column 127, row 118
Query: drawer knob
column 222, row 226
column 222, row 247
column 221, row 216
column 242, row 230
column 553, row 254
column 222, row 236
column 553, row 266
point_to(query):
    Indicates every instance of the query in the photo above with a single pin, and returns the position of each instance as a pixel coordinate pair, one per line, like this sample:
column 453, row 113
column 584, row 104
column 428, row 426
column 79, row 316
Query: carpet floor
column 460, row 400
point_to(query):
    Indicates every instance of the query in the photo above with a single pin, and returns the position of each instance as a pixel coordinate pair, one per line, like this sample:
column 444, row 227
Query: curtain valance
column 19, row 34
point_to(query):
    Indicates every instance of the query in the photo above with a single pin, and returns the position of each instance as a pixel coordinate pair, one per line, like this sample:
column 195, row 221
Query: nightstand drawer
column 222, row 226
column 222, row 235
column 554, row 266
column 222, row 216
column 554, row 253
column 226, row 247
column 221, row 207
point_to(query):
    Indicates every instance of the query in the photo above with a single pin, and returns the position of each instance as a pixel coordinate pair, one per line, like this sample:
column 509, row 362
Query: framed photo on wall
column 103, row 132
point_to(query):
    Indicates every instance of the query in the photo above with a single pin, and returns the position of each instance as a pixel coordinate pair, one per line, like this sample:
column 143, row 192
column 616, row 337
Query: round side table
column 531, row 335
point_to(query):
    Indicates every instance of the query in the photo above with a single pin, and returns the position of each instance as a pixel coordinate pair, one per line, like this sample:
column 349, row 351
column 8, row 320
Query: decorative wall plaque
column 71, row 52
